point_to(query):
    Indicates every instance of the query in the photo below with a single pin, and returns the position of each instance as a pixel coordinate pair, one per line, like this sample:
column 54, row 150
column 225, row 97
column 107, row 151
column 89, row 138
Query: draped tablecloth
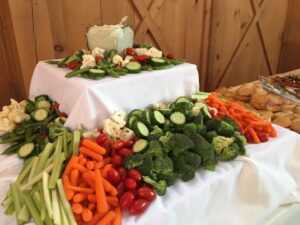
column 242, row 191
column 90, row 102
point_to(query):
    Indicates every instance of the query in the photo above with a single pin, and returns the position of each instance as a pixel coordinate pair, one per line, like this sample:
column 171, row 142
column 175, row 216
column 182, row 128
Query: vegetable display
column 30, row 136
column 100, row 63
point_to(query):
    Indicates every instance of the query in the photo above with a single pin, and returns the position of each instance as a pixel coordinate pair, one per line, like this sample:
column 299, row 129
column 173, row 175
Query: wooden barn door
column 246, row 38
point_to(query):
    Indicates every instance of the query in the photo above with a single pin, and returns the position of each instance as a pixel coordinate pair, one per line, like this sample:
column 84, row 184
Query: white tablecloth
column 243, row 191
column 89, row 102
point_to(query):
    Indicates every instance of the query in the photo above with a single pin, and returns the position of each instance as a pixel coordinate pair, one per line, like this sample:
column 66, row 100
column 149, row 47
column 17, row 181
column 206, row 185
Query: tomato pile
column 134, row 194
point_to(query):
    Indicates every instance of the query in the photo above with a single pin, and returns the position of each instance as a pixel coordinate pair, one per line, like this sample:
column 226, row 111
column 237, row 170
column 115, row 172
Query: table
column 243, row 191
column 90, row 102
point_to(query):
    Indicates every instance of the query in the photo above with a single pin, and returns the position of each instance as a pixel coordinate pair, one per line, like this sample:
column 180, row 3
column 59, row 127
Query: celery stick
column 34, row 163
column 65, row 203
column 63, row 214
column 10, row 210
column 37, row 178
column 49, row 161
column 24, row 173
column 59, row 146
column 48, row 221
column 42, row 207
column 65, row 142
column 37, row 200
column 56, row 209
column 44, row 157
column 16, row 200
column 76, row 140
column 47, row 196
column 7, row 201
column 33, row 210
column 24, row 214
column 57, row 168
column 70, row 147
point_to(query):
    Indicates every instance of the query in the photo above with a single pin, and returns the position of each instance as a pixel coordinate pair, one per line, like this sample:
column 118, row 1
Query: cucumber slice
column 205, row 112
column 163, row 67
column 183, row 99
column 166, row 112
column 136, row 112
column 133, row 67
column 26, row 150
column 158, row 118
column 146, row 117
column 141, row 129
column 40, row 114
column 41, row 97
column 131, row 120
column 43, row 104
column 140, row 145
column 200, row 105
column 200, row 95
column 157, row 61
column 177, row 118
column 97, row 72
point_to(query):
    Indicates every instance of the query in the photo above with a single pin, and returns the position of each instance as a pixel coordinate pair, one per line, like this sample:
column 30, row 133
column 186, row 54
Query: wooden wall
column 231, row 41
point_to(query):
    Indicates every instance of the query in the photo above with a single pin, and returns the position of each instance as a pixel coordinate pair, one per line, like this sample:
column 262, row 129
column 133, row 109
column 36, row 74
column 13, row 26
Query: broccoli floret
column 132, row 161
column 225, row 129
column 165, row 138
column 198, row 119
column 146, row 168
column 190, row 129
column 55, row 131
column 188, row 158
column 155, row 133
column 213, row 124
column 154, row 148
column 241, row 141
column 160, row 186
column 168, row 126
column 221, row 142
column 231, row 122
column 201, row 129
column 178, row 143
column 170, row 178
column 187, row 173
column 163, row 165
column 229, row 153
column 210, row 135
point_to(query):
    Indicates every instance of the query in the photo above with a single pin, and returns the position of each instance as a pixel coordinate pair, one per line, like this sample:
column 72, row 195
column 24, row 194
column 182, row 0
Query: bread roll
column 282, row 121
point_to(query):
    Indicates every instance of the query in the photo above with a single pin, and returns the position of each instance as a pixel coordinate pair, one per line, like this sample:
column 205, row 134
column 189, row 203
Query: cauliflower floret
column 119, row 117
column 91, row 134
column 6, row 125
column 98, row 51
column 154, row 52
column 141, row 51
column 88, row 61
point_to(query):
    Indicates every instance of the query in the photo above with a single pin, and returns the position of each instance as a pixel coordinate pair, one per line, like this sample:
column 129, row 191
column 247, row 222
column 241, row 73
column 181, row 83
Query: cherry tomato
column 249, row 138
column 97, row 58
column 126, row 200
column 139, row 206
column 123, row 173
column 129, row 143
column 55, row 105
column 146, row 193
column 118, row 145
column 130, row 51
column 121, row 188
column 130, row 184
column 113, row 176
column 134, row 174
column 72, row 65
column 63, row 114
column 106, row 144
column 125, row 152
column 116, row 160
column 263, row 137
column 170, row 56
column 101, row 138
column 141, row 58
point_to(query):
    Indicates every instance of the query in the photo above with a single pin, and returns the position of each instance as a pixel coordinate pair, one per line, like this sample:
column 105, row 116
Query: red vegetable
column 170, row 56
column 116, row 160
column 72, row 65
column 63, row 114
column 146, row 193
column 118, row 145
column 139, row 206
column 141, row 58
column 126, row 200
column 123, row 173
column 125, row 152
column 130, row 184
column 129, row 143
column 97, row 58
column 113, row 176
column 121, row 188
column 130, row 51
column 263, row 137
column 55, row 106
column 134, row 174
column 101, row 138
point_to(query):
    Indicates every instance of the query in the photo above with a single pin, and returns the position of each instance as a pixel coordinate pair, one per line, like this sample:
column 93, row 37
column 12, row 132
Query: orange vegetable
column 96, row 218
column 112, row 201
column 93, row 146
column 104, row 162
column 79, row 197
column 69, row 167
column 88, row 178
column 80, row 168
column 82, row 161
column 90, row 165
column 77, row 208
column 118, row 218
column 81, row 189
column 86, row 215
column 102, row 205
column 74, row 175
column 109, row 217
column 91, row 206
column 105, row 169
column 87, row 152
column 92, row 198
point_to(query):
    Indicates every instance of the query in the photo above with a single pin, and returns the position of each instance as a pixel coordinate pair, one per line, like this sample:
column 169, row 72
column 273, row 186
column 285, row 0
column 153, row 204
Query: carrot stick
column 69, row 193
column 106, row 185
column 117, row 220
column 254, row 136
column 93, row 146
column 83, row 184
column 69, row 167
column 109, row 217
column 105, row 169
column 89, row 179
column 79, row 197
column 102, row 205
column 77, row 208
column 112, row 201
column 80, row 168
column 74, row 175
column 86, row 215
column 82, row 190
column 87, row 152
column 96, row 218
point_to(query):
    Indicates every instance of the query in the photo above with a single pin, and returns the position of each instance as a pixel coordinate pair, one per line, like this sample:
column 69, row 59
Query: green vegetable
column 221, row 142
column 241, row 141
column 157, row 61
column 47, row 196
column 32, row 209
column 132, row 161
column 133, row 67
column 140, row 145
column 178, row 143
column 77, row 72
column 156, row 133
column 210, row 135
column 163, row 67
column 141, row 130
column 26, row 150
column 16, row 200
column 56, row 207
column 177, row 118
column 221, row 127
column 160, row 186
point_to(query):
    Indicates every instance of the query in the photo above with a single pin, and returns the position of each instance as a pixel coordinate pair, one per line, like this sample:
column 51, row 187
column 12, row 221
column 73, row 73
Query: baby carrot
column 96, row 218
column 102, row 205
column 88, row 178
column 87, row 152
column 83, row 184
column 109, row 217
column 93, row 146
column 80, row 168
column 92, row 198
column 104, row 162
column 105, row 169
column 117, row 220
column 91, row 206
column 74, row 177
column 112, row 201
column 69, row 167
column 81, row 189
column 254, row 136
column 90, row 165
column 77, row 208
column 79, row 197
column 86, row 215
column 108, row 187
column 82, row 161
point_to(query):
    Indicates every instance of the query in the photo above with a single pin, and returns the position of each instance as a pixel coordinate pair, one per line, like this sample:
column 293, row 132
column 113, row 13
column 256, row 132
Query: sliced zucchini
column 141, row 129
column 183, row 99
column 158, row 117
column 177, row 118
column 133, row 67
column 157, row 61
column 26, row 150
column 40, row 114
column 146, row 117
column 97, row 72
column 140, row 145
column 205, row 112
column 42, row 104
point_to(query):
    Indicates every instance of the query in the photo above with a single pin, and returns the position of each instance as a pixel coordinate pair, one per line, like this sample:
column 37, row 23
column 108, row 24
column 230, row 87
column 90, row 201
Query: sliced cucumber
column 40, row 114
column 43, row 104
column 146, row 117
column 158, row 117
column 183, row 99
column 177, row 118
column 166, row 112
column 128, row 58
column 163, row 67
column 97, row 72
column 141, row 129
column 140, row 145
column 200, row 105
column 205, row 112
column 157, row 61
column 200, row 95
column 136, row 112
column 133, row 67
column 41, row 97
column 131, row 120
column 26, row 150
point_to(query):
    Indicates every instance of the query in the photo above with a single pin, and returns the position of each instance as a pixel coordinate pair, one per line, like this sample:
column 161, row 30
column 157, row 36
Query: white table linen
column 243, row 191
column 89, row 102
